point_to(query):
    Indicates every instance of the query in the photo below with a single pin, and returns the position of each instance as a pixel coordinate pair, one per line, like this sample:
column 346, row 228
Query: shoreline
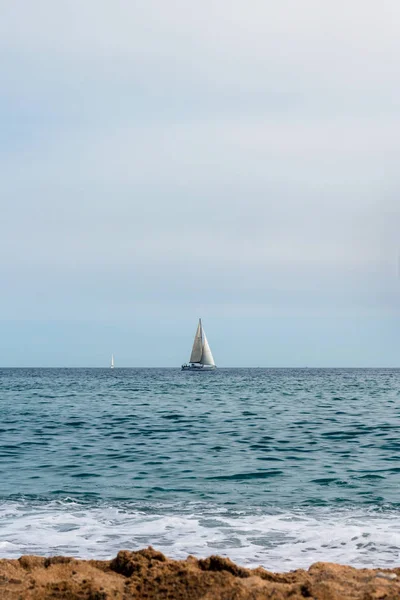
column 149, row 574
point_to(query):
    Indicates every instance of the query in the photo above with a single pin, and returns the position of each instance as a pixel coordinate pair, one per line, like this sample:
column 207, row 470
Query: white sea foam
column 276, row 540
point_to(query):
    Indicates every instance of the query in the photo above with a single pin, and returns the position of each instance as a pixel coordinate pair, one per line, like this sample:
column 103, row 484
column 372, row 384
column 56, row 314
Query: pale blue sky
column 162, row 161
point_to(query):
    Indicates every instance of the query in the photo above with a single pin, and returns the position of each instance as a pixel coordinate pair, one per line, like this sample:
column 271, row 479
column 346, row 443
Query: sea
column 273, row 467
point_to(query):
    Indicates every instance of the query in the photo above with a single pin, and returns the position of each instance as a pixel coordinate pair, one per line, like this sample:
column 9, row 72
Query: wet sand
column 148, row 574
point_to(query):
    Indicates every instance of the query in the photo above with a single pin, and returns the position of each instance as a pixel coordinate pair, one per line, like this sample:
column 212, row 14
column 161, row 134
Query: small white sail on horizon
column 112, row 361
column 201, row 356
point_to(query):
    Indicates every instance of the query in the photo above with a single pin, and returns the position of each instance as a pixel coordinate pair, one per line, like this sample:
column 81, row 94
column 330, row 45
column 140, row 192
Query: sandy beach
column 148, row 574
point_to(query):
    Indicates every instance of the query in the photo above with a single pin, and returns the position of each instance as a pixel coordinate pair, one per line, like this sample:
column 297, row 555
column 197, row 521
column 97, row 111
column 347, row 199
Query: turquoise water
column 278, row 467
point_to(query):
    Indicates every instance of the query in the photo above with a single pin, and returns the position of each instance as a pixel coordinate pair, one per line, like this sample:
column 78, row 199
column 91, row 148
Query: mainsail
column 197, row 349
column 112, row 361
column 201, row 352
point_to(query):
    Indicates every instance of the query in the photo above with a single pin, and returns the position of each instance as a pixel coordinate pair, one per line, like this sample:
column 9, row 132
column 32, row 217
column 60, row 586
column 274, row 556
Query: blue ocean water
column 278, row 467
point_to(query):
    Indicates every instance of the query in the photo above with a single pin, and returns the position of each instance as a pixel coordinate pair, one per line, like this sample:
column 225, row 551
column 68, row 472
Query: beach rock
column 148, row 574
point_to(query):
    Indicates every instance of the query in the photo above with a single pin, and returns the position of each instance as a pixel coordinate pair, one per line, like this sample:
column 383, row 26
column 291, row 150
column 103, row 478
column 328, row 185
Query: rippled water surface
column 273, row 467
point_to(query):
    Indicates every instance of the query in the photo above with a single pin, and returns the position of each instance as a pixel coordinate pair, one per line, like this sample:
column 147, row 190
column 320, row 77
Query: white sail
column 201, row 358
column 197, row 349
column 206, row 357
column 112, row 361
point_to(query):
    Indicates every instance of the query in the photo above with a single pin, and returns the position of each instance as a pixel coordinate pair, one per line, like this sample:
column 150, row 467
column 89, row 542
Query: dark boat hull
column 195, row 367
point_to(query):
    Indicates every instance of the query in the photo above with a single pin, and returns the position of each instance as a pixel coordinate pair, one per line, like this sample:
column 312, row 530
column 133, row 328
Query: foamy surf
column 276, row 540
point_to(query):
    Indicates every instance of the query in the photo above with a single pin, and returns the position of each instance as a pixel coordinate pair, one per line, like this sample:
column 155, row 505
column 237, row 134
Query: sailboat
column 201, row 358
column 112, row 361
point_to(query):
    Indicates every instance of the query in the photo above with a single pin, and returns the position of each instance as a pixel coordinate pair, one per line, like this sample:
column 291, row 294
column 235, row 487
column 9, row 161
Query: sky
column 230, row 160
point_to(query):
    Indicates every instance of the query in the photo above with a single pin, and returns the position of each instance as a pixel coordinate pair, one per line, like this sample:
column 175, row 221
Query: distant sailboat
column 112, row 361
column 201, row 358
